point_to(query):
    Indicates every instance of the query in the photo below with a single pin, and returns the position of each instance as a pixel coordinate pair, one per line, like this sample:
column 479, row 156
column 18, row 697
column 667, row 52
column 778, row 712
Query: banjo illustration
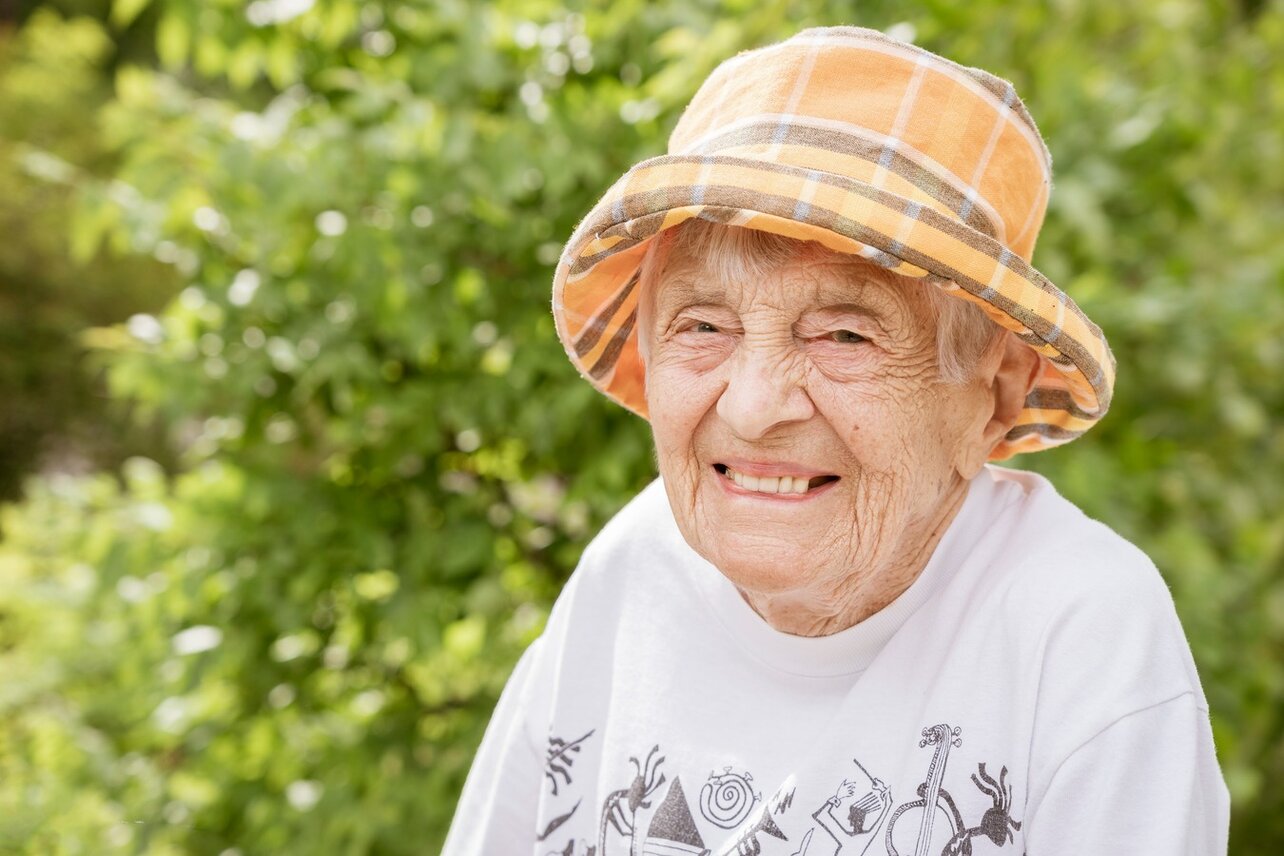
column 926, row 825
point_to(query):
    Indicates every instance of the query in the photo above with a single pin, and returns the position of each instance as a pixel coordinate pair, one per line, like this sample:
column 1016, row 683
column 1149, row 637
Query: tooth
column 769, row 484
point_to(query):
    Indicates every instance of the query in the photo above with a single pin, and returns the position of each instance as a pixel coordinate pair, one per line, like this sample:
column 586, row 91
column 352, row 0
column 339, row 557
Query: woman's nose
column 764, row 390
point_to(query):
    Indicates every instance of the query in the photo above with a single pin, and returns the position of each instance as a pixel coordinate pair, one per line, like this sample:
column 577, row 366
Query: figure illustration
column 952, row 837
column 996, row 824
column 867, row 802
column 620, row 808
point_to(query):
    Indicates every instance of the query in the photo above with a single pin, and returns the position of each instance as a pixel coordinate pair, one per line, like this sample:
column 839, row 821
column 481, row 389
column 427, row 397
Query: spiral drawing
column 727, row 798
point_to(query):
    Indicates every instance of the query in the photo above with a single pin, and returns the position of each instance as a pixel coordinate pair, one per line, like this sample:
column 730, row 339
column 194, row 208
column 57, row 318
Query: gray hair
column 964, row 334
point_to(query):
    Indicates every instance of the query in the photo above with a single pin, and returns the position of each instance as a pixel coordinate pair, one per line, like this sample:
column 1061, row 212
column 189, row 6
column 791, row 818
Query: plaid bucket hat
column 869, row 146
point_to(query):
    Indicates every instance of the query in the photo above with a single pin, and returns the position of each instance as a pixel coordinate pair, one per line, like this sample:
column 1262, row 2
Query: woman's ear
column 1007, row 374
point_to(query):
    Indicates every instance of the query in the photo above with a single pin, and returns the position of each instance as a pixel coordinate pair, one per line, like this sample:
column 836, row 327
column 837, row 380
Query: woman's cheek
column 681, row 382
column 697, row 352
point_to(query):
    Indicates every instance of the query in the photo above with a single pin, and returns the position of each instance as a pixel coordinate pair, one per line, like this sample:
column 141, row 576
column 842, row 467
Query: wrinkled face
column 803, row 436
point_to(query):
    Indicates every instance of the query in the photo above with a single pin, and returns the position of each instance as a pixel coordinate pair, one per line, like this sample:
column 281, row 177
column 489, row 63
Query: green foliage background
column 281, row 626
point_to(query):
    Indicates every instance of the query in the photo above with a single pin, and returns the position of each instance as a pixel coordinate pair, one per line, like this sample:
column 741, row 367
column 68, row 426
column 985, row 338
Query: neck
column 859, row 595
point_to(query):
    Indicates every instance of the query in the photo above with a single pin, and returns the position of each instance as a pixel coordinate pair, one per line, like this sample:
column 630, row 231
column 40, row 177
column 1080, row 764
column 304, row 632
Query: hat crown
column 855, row 102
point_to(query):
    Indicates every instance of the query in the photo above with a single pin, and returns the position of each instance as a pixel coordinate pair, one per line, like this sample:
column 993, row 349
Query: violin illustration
column 926, row 825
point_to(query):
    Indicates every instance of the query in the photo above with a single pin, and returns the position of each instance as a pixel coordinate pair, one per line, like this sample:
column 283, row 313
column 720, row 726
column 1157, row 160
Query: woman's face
column 804, row 439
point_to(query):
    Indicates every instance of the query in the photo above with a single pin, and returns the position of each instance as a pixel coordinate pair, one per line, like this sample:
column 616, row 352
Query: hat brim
column 595, row 285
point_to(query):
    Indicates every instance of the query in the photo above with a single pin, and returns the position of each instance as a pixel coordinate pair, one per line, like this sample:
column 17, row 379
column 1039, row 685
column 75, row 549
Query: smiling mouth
column 796, row 485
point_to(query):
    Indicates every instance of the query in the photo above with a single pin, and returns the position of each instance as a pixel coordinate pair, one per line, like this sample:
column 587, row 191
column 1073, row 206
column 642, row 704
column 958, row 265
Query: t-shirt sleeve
column 497, row 809
column 1147, row 783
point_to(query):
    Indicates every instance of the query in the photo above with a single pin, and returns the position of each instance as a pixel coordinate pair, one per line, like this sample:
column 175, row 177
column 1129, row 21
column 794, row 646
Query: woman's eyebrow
column 850, row 308
column 882, row 316
column 681, row 292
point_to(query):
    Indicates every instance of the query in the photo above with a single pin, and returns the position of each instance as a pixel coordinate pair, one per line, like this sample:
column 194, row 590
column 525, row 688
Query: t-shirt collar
column 849, row 651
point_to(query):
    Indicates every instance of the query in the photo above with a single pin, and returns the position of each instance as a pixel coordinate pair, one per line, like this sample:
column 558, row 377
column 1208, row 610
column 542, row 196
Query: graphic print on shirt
column 558, row 761
column 781, row 801
column 996, row 824
column 570, row 849
column 933, row 824
column 558, row 758
column 672, row 831
column 620, row 809
column 557, row 822
column 727, row 798
column 924, row 826
column 746, row 843
column 851, row 818
column 860, row 812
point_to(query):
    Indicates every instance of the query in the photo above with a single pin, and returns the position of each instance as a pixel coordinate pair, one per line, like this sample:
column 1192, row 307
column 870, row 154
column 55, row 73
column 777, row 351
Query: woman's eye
column 704, row 327
column 846, row 337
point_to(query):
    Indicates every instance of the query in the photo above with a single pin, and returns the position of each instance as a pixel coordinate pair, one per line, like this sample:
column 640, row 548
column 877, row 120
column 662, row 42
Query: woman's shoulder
column 1052, row 545
column 1097, row 599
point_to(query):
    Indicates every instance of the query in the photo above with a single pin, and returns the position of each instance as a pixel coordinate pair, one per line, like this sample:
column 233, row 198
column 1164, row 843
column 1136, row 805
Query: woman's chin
column 766, row 574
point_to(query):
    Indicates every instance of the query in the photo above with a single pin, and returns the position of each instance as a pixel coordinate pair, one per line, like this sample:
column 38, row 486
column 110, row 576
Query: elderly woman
column 832, row 625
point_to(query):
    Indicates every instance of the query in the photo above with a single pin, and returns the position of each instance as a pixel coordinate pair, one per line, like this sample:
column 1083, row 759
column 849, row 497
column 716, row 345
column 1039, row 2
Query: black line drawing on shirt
column 867, row 801
column 630, row 799
column 727, row 798
column 558, row 821
column 996, row 824
column 558, row 760
column 571, row 850
column 781, row 801
column 916, row 825
column 672, row 831
column 747, row 843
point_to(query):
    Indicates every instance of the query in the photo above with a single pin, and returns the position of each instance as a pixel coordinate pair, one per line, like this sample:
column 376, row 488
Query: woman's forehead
column 801, row 285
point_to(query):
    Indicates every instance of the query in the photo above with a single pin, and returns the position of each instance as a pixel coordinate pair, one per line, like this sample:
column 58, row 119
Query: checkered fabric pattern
column 869, row 146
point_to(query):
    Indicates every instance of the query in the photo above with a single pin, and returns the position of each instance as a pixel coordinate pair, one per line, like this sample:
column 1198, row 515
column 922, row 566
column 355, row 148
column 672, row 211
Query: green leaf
column 173, row 40
column 123, row 12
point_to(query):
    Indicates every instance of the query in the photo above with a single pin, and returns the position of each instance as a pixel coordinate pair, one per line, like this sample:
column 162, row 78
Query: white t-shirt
column 1033, row 687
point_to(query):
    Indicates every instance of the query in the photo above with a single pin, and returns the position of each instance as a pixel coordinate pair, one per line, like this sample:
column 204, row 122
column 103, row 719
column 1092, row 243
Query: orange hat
column 869, row 146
